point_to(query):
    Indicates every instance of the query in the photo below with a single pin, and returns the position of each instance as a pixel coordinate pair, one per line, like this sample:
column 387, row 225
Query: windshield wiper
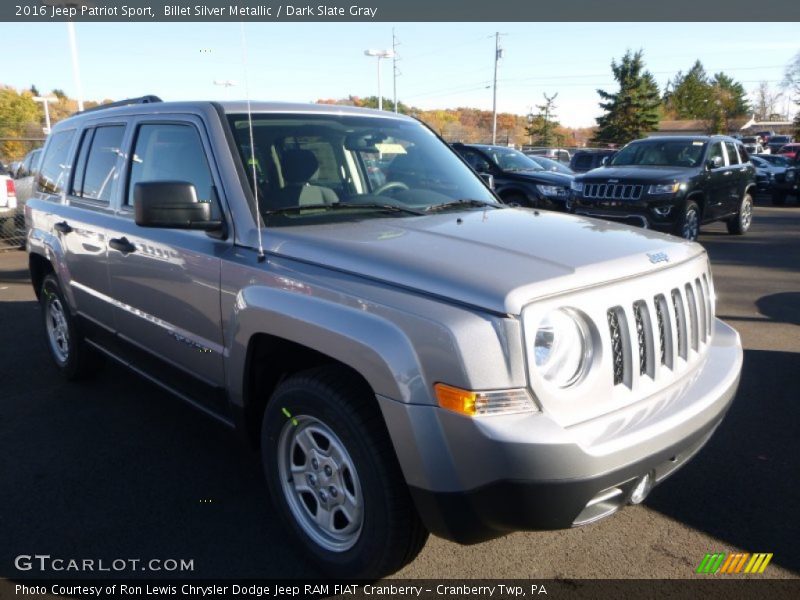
column 463, row 203
column 341, row 205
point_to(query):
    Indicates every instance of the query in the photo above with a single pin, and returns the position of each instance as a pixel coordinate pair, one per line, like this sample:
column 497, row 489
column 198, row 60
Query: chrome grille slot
column 702, row 308
column 644, row 337
column 612, row 191
column 664, row 330
column 709, row 306
column 692, row 304
column 620, row 345
column 680, row 323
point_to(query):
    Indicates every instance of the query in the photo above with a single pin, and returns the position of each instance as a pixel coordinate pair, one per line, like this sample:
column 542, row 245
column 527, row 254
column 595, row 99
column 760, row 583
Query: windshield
column 319, row 168
column 661, row 153
column 509, row 159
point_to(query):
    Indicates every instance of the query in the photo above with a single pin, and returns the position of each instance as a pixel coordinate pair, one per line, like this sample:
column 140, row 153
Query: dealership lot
column 114, row 468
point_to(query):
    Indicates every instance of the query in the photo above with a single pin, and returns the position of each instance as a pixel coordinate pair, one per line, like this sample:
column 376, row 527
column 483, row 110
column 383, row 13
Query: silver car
column 408, row 354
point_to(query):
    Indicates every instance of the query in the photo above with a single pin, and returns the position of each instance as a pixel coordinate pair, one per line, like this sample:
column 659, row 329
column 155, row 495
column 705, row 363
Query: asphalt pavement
column 116, row 468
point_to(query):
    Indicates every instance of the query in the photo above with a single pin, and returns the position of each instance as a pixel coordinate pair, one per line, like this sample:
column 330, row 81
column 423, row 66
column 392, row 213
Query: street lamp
column 46, row 101
column 379, row 54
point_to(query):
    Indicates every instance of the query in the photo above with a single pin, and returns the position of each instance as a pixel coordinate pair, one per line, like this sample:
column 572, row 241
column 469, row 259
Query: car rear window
column 54, row 170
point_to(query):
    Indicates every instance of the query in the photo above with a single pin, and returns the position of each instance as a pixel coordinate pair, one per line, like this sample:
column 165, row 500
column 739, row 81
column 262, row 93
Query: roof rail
column 140, row 100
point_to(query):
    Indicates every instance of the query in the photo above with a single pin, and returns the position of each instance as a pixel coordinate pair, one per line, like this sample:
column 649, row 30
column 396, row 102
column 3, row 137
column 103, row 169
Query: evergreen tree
column 690, row 94
column 634, row 109
column 733, row 94
column 542, row 126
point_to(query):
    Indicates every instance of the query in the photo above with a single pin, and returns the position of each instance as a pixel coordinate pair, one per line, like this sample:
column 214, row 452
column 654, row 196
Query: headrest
column 299, row 166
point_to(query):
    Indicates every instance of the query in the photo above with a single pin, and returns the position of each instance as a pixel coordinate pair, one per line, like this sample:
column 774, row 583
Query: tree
column 34, row 90
column 634, row 109
column 791, row 83
column 764, row 101
column 542, row 126
column 18, row 114
column 690, row 93
column 732, row 93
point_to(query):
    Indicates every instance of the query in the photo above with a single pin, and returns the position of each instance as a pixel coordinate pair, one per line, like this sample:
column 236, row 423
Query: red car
column 790, row 150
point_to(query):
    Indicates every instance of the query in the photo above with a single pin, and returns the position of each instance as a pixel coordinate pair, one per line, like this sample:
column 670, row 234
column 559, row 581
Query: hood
column 498, row 259
column 647, row 174
column 545, row 177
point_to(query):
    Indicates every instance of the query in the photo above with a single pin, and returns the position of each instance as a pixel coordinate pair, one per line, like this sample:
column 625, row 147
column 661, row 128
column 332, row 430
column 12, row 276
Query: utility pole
column 76, row 72
column 498, row 54
column 46, row 101
column 395, row 43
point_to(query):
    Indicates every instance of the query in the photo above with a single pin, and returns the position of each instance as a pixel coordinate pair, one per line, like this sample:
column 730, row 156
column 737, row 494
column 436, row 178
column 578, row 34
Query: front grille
column 612, row 191
column 657, row 341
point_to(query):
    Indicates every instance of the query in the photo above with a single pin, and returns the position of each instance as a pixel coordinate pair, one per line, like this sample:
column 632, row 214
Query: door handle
column 122, row 245
column 62, row 227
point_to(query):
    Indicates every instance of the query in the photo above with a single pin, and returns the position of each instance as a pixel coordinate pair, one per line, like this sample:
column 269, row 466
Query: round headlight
column 562, row 347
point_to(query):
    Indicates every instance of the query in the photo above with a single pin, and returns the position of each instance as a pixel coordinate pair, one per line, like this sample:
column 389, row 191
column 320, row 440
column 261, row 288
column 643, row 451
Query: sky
column 441, row 65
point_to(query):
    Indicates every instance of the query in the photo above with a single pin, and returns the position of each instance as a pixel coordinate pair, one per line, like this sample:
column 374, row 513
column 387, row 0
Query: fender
column 374, row 347
column 48, row 246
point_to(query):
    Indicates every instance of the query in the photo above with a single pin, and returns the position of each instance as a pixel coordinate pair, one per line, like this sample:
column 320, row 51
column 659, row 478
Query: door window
column 733, row 158
column 715, row 151
column 96, row 169
column 171, row 152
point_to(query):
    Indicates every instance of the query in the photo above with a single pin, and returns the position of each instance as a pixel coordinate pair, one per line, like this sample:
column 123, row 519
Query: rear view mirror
column 172, row 205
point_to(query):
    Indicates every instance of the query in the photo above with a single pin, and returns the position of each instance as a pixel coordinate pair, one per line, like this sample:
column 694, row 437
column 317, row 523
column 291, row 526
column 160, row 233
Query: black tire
column 740, row 224
column 74, row 358
column 391, row 533
column 778, row 198
column 688, row 226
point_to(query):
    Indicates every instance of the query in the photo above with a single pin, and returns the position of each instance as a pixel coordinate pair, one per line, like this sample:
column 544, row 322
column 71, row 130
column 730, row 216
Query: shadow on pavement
column 742, row 487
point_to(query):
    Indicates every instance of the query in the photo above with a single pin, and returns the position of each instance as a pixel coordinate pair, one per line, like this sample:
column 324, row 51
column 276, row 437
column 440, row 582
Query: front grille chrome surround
column 612, row 191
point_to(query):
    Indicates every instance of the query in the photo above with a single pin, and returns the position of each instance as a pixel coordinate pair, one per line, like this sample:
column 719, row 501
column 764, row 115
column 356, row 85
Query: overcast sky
column 442, row 65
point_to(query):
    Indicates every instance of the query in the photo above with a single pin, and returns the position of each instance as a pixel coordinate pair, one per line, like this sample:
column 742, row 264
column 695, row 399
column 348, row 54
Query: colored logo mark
column 741, row 562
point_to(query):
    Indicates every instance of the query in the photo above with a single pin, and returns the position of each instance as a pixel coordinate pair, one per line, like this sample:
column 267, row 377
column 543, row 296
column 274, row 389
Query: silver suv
column 409, row 354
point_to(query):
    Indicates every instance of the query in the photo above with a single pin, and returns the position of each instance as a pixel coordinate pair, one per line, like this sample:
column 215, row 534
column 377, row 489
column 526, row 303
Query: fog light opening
column 642, row 489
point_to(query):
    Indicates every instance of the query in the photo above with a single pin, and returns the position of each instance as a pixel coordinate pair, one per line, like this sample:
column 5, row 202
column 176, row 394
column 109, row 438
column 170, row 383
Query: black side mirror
column 488, row 178
column 171, row 205
column 714, row 163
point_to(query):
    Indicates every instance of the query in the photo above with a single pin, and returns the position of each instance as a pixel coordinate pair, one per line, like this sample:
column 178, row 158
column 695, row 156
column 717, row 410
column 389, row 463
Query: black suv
column 586, row 160
column 672, row 184
column 517, row 178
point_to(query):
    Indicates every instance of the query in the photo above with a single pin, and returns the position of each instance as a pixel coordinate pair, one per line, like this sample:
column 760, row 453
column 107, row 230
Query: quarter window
column 171, row 152
column 733, row 158
column 54, row 170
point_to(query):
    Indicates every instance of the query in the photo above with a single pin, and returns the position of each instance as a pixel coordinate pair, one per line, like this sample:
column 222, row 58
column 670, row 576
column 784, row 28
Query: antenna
column 261, row 255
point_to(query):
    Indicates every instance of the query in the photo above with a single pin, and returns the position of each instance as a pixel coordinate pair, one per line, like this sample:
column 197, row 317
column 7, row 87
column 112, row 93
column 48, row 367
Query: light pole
column 379, row 54
column 498, row 54
column 76, row 72
column 46, row 102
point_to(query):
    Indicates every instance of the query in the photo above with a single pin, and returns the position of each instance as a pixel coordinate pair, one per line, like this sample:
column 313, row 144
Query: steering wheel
column 390, row 185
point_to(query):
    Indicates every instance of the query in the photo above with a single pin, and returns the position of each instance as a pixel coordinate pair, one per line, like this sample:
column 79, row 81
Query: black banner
column 398, row 11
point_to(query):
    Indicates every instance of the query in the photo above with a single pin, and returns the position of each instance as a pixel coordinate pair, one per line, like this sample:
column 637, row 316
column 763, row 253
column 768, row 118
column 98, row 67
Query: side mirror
column 604, row 162
column 488, row 178
column 714, row 163
column 171, row 205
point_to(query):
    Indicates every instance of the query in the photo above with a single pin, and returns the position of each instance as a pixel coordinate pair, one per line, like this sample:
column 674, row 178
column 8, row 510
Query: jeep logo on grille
column 657, row 257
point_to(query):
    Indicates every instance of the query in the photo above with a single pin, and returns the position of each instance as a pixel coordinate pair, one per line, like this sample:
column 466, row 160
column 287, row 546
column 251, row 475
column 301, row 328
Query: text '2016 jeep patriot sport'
column 409, row 354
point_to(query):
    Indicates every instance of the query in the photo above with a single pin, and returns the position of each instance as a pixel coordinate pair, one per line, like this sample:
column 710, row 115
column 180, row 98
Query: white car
column 8, row 206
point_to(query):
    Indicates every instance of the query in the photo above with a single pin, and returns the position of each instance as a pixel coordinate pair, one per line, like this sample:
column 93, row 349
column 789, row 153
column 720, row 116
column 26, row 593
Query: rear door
column 718, row 183
column 736, row 179
column 165, row 282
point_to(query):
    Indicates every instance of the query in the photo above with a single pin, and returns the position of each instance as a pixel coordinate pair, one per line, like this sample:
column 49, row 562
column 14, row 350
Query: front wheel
column 688, row 226
column 334, row 477
column 740, row 224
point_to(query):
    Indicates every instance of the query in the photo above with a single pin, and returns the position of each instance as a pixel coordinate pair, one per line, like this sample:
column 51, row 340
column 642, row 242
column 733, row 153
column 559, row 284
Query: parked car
column 766, row 173
column 672, row 184
column 786, row 180
column 548, row 164
column 790, row 150
column 776, row 142
column 8, row 206
column 559, row 154
column 776, row 159
column 764, row 137
column 586, row 160
column 24, row 184
column 409, row 358
column 756, row 149
column 518, row 179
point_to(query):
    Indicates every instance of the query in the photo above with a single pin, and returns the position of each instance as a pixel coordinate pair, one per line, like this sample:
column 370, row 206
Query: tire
column 778, row 198
column 688, row 226
column 740, row 224
column 323, row 428
column 73, row 357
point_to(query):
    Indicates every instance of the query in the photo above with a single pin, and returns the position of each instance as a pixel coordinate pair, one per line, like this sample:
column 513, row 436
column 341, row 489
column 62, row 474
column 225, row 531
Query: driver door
column 718, row 183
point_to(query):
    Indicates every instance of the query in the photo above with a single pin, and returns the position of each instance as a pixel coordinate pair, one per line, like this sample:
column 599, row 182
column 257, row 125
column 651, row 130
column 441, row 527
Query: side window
column 171, row 152
column 100, row 172
column 475, row 160
column 716, row 150
column 54, row 170
column 733, row 158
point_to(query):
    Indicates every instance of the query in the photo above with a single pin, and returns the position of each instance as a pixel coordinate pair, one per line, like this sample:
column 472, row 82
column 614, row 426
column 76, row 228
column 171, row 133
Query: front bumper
column 475, row 479
column 639, row 213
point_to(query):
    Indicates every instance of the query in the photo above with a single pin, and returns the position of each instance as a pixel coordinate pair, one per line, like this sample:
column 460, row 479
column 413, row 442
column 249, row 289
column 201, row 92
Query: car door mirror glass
column 715, row 162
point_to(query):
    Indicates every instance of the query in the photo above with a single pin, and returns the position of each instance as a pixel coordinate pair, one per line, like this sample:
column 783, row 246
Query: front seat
column 298, row 167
